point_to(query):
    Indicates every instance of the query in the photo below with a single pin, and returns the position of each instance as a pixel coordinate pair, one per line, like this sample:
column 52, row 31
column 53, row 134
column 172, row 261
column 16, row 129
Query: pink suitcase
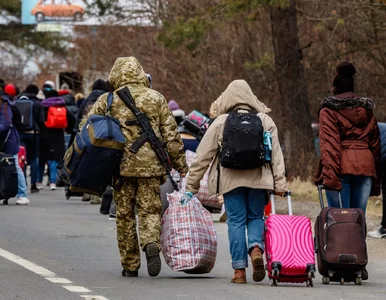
column 289, row 247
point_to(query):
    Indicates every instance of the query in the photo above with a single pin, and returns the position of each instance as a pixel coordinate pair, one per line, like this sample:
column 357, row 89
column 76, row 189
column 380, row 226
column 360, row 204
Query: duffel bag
column 95, row 155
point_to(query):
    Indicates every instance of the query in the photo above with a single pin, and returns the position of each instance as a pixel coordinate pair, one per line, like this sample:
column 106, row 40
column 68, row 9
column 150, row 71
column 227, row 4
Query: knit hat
column 50, row 83
column 173, row 105
column 63, row 92
column 10, row 90
column 99, row 84
column 32, row 89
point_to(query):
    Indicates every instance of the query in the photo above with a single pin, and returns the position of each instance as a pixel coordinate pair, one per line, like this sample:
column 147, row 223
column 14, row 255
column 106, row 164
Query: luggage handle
column 272, row 199
column 320, row 191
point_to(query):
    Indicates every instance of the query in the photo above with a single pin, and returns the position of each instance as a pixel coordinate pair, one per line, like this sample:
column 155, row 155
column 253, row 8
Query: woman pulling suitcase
column 348, row 170
column 241, row 174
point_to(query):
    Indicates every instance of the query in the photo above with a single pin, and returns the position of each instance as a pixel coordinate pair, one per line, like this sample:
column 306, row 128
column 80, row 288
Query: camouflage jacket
column 127, row 72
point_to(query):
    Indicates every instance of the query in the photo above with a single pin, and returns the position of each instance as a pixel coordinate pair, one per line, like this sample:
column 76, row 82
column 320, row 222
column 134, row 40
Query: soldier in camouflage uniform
column 141, row 172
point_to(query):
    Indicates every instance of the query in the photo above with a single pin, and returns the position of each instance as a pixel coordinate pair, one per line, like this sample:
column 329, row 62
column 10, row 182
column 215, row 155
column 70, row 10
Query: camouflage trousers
column 144, row 195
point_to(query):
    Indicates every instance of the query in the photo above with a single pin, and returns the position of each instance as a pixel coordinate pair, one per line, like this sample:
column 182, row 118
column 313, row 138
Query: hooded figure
column 141, row 172
column 244, row 191
column 69, row 99
column 52, row 145
column 177, row 112
column 99, row 87
column 349, row 144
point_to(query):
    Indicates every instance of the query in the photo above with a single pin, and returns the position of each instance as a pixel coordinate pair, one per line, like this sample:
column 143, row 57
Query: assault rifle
column 148, row 134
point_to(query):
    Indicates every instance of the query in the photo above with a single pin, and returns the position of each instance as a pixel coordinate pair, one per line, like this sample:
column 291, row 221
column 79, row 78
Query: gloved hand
column 186, row 198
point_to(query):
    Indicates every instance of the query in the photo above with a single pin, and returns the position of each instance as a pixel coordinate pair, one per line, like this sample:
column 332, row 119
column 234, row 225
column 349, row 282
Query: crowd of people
column 350, row 163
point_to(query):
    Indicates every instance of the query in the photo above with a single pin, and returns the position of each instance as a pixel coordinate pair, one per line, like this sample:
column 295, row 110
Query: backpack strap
column 110, row 98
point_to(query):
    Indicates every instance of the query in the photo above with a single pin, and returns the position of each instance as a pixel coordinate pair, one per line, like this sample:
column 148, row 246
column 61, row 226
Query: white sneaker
column 52, row 187
column 39, row 185
column 378, row 234
column 22, row 201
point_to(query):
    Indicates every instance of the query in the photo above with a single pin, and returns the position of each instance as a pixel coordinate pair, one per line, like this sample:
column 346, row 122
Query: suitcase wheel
column 5, row 202
column 358, row 281
column 273, row 282
column 326, row 280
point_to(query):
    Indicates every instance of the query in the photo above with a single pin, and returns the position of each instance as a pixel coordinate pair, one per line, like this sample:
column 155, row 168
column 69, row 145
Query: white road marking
column 48, row 275
column 58, row 280
column 76, row 289
column 26, row 264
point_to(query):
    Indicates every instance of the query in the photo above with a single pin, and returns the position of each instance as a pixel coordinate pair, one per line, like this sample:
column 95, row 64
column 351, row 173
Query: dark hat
column 32, row 89
column 99, row 84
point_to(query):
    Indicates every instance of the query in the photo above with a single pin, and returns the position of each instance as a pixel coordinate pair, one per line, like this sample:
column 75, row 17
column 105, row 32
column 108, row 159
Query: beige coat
column 238, row 96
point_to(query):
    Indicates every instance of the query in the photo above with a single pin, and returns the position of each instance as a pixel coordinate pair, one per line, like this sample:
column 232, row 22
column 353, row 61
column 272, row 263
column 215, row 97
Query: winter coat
column 52, row 145
column 88, row 103
column 127, row 72
column 237, row 96
column 349, row 140
column 12, row 145
column 38, row 111
column 382, row 132
column 71, row 106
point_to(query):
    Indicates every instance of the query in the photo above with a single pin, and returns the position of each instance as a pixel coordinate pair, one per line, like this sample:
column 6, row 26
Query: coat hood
column 54, row 101
column 27, row 96
column 238, row 95
column 69, row 99
column 127, row 71
column 358, row 110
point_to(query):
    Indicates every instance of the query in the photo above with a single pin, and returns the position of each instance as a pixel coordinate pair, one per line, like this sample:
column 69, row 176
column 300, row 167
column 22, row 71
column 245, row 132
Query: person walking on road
column 381, row 231
column 349, row 144
column 33, row 118
column 52, row 145
column 10, row 144
column 141, row 173
column 244, row 190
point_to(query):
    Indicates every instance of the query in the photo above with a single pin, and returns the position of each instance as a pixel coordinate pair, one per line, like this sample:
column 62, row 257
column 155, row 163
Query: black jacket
column 87, row 104
column 38, row 111
column 70, row 104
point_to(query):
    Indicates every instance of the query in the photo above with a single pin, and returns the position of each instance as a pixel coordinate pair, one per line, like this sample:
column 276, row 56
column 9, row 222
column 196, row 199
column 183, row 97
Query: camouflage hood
column 127, row 71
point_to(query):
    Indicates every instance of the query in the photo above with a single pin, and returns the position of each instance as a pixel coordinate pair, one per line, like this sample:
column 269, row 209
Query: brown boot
column 239, row 276
column 257, row 264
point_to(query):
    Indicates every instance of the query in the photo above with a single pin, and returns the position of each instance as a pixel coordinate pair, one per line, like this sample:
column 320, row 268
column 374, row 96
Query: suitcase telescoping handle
column 320, row 191
column 272, row 199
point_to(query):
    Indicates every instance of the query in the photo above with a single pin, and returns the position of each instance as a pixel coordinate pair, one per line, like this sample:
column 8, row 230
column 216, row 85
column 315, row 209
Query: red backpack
column 57, row 117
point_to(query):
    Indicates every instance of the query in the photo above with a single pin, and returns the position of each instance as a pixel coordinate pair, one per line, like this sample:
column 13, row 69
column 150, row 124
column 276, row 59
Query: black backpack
column 243, row 142
column 25, row 107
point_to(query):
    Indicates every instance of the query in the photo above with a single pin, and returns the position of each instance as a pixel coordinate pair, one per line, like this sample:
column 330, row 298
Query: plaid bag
column 203, row 193
column 188, row 236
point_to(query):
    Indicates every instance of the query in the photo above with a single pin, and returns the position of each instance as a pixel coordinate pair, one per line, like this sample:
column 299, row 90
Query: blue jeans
column 52, row 171
column 355, row 192
column 21, row 183
column 245, row 210
column 31, row 143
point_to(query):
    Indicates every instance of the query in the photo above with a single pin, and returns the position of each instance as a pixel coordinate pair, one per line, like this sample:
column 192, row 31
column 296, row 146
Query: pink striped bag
column 188, row 236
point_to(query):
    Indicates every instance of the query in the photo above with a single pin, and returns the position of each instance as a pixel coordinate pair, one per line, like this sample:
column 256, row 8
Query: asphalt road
column 64, row 249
